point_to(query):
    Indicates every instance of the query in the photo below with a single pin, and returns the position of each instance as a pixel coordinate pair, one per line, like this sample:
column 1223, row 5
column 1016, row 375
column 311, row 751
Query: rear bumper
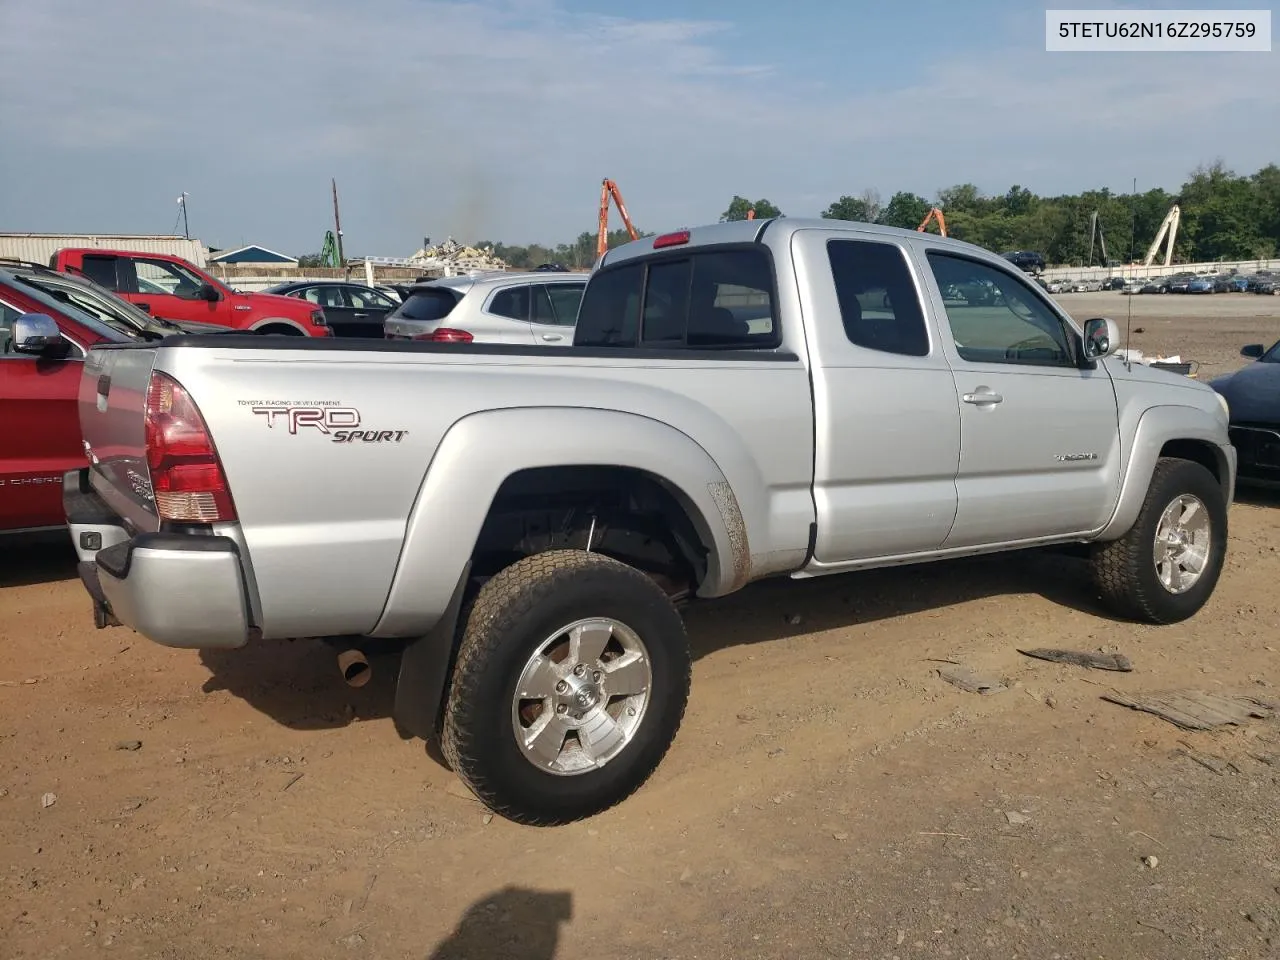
column 180, row 590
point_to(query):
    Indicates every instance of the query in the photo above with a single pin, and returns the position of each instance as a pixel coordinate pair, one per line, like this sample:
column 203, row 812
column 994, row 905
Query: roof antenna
column 1128, row 325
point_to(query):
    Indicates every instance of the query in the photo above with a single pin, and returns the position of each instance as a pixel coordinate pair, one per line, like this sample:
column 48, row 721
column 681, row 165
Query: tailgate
column 112, row 401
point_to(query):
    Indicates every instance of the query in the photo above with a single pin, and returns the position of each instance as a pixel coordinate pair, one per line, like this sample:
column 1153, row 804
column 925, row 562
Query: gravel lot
column 828, row 795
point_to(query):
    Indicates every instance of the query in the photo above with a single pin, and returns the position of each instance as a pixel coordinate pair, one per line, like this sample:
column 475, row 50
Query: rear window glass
column 708, row 299
column 426, row 305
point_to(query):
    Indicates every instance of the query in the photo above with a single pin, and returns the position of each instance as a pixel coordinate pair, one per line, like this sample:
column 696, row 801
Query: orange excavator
column 934, row 214
column 610, row 189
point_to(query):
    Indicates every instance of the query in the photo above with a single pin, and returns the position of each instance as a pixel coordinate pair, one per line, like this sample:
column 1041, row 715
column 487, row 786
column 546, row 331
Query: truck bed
column 328, row 465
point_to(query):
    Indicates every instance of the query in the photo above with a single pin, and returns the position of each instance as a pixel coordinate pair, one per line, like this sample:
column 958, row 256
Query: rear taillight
column 318, row 318
column 446, row 335
column 186, row 476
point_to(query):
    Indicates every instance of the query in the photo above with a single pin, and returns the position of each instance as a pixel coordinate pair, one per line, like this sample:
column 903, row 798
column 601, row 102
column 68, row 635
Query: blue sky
column 497, row 120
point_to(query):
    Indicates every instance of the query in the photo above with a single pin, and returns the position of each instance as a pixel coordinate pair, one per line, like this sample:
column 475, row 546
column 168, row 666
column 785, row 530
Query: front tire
column 1164, row 569
column 570, row 684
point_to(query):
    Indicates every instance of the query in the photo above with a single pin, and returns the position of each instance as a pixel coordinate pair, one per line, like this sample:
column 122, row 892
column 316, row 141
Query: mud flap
column 424, row 671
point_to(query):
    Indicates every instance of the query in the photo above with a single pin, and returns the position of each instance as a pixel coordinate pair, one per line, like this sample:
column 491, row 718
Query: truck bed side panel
column 324, row 515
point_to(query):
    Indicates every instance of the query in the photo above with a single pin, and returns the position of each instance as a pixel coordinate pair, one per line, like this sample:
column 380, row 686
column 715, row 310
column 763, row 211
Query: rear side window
column 426, row 305
column 707, row 299
column 101, row 270
column 557, row 303
column 879, row 304
column 513, row 303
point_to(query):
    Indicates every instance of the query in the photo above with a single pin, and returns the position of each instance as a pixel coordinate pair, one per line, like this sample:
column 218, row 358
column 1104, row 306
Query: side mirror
column 1253, row 351
column 36, row 334
column 209, row 292
column 1101, row 336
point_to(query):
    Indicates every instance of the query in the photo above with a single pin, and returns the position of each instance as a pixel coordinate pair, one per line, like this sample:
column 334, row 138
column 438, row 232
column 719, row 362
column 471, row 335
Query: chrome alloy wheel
column 582, row 696
column 1182, row 543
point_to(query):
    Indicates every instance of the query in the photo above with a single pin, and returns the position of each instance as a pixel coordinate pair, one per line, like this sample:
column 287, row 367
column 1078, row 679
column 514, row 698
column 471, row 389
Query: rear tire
column 1181, row 497
column 537, row 740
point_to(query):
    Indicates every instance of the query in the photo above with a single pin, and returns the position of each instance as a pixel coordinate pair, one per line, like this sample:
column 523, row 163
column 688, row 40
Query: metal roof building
column 39, row 247
column 253, row 254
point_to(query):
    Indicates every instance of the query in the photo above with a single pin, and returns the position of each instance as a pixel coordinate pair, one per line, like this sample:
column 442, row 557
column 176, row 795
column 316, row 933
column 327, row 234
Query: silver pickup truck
column 742, row 400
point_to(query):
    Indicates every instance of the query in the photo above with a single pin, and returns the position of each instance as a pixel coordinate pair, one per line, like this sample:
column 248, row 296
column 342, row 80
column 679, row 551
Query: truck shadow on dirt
column 298, row 683
column 27, row 559
column 514, row 922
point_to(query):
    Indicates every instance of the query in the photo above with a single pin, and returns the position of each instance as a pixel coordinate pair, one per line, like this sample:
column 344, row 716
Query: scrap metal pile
column 455, row 258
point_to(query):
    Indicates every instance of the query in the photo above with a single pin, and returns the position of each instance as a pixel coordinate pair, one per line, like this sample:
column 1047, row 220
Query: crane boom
column 934, row 214
column 1169, row 225
column 610, row 189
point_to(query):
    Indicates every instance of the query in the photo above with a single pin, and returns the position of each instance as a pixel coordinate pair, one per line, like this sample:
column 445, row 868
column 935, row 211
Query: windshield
column 1272, row 355
column 64, row 306
column 107, row 308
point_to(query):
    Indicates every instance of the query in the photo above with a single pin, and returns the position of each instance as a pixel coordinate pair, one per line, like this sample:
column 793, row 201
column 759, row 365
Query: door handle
column 361, row 316
column 552, row 336
column 985, row 397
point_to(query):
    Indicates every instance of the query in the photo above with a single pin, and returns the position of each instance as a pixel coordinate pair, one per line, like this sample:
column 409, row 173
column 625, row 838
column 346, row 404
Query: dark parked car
column 551, row 268
column 1156, row 285
column 1267, row 285
column 1181, row 283
column 1026, row 260
column 1113, row 283
column 1253, row 394
column 351, row 309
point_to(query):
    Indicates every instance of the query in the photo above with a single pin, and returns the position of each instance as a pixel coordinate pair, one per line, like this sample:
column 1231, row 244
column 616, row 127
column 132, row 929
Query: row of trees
column 1225, row 216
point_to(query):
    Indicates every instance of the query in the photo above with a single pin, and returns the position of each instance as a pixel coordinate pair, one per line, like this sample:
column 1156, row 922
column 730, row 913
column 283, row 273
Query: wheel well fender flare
column 480, row 451
column 278, row 321
column 1163, row 431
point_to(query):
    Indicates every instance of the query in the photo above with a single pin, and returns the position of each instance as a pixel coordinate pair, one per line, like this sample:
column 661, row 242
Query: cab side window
column 879, row 304
column 101, row 270
column 996, row 318
column 163, row 277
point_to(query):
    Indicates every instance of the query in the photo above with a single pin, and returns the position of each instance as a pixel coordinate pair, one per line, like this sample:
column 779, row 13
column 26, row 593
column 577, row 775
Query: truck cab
column 172, row 288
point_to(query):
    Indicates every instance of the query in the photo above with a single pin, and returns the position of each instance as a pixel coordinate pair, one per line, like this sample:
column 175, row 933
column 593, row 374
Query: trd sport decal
column 340, row 424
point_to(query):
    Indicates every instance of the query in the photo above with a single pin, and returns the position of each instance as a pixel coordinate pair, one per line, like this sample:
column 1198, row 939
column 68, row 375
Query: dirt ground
column 828, row 795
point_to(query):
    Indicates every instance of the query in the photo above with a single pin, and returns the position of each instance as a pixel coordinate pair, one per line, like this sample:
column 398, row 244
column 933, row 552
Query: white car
column 524, row 308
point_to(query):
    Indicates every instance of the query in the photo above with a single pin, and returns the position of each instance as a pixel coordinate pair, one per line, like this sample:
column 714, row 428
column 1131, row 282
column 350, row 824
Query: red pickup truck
column 174, row 289
column 43, row 343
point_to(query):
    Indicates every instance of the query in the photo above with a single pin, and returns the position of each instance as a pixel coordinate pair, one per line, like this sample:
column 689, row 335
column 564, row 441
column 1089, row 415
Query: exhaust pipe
column 355, row 668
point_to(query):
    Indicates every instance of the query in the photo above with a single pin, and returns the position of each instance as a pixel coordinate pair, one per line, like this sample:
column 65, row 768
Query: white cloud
column 499, row 120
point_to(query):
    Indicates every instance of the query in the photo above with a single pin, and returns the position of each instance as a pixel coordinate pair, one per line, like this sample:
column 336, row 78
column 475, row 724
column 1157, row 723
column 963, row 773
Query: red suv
column 43, row 343
column 174, row 289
